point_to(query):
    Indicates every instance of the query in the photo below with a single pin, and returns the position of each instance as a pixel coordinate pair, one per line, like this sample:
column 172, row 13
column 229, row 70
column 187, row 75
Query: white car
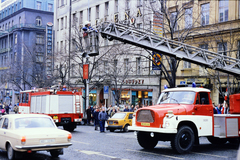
column 30, row 133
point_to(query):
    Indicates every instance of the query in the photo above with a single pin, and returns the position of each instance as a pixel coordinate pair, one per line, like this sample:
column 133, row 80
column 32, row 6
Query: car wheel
column 146, row 141
column 183, row 140
column 54, row 153
column 111, row 130
column 125, row 129
column 10, row 152
column 69, row 128
column 216, row 140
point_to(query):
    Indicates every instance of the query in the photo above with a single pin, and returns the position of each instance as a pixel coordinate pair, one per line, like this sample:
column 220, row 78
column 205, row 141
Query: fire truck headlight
column 167, row 124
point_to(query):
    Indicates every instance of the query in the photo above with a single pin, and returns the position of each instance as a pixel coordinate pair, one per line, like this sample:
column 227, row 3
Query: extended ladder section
column 171, row 48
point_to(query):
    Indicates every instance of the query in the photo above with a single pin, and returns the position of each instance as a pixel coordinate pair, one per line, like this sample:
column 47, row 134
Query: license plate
column 47, row 140
column 145, row 124
column 110, row 122
column 55, row 117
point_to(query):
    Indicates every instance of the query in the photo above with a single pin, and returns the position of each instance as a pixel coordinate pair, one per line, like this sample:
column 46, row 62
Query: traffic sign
column 105, row 92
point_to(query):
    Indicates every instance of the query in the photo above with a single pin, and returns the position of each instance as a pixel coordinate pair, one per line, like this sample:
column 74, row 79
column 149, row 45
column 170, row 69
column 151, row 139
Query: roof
column 24, row 115
column 194, row 89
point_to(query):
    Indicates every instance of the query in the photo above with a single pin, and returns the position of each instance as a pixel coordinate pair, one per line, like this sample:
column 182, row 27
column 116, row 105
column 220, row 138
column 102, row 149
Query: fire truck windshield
column 183, row 97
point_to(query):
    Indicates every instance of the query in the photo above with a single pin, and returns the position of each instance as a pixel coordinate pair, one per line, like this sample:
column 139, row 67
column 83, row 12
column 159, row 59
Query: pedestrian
column 15, row 109
column 132, row 108
column 7, row 109
column 214, row 109
column 126, row 109
column 113, row 111
column 89, row 114
column 102, row 118
column 226, row 108
column 96, row 120
column 10, row 107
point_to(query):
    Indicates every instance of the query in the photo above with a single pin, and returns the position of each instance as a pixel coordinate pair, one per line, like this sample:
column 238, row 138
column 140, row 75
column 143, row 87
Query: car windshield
column 180, row 97
column 34, row 122
column 119, row 115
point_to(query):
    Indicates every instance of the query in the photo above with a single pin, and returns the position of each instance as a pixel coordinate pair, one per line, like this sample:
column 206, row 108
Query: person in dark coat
column 89, row 113
column 126, row 109
column 102, row 118
column 7, row 109
column 96, row 120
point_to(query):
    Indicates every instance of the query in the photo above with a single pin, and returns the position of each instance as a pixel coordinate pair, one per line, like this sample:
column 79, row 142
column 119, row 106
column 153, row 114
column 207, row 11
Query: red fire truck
column 65, row 107
column 182, row 115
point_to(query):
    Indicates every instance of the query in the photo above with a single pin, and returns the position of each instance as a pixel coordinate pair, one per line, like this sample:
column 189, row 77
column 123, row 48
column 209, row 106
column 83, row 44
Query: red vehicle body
column 63, row 106
column 182, row 115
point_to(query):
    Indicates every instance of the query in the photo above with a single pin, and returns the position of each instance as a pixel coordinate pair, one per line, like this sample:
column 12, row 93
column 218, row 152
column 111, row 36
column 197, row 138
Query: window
column 39, row 57
column 61, row 23
column 125, row 65
column 106, row 66
column 15, row 40
column 9, row 25
column 115, row 65
column 81, row 17
column 188, row 18
column 74, row 20
column 97, row 11
column 15, row 56
column 139, row 2
column 106, row 8
column 66, row 22
column 62, row 2
column 223, row 10
column 173, row 20
column 39, row 39
column 138, row 66
column 50, row 7
column 39, row 5
column 12, row 9
column 5, row 124
column 139, row 26
column 12, row 23
column 222, row 48
column 127, row 5
column 38, row 21
column 58, row 24
column 89, row 14
column 238, row 54
column 205, row 14
column 20, row 20
column 16, row 8
column 116, row 5
column 204, row 46
column 186, row 64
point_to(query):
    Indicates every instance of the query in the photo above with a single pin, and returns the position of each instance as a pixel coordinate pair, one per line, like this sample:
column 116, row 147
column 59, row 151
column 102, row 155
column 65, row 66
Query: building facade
column 23, row 47
column 205, row 24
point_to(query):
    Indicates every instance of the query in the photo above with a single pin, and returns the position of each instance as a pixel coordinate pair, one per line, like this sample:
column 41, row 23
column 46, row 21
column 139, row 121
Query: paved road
column 92, row 145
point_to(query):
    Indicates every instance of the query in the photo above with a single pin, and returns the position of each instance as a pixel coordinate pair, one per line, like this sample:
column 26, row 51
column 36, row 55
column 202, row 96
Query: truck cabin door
column 203, row 106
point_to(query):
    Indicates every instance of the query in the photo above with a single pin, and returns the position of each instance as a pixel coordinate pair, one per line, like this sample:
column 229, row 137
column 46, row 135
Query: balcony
column 5, row 50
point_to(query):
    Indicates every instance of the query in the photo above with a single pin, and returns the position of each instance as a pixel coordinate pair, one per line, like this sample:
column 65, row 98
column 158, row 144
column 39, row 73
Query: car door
column 1, row 133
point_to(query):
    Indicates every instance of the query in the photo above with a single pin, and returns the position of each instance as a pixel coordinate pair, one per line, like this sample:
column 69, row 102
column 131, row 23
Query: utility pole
column 69, row 43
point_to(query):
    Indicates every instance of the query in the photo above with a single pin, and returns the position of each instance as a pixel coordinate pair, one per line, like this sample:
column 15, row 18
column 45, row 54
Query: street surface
column 89, row 144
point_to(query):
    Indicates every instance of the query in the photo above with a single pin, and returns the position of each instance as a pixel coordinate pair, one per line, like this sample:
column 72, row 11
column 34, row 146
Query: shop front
column 142, row 97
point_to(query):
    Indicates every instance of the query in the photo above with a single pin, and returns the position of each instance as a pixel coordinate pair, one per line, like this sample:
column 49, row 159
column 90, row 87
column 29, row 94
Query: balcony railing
column 22, row 25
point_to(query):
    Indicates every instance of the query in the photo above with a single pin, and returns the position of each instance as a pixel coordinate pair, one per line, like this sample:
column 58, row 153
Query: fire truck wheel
column 216, row 140
column 146, row 141
column 183, row 140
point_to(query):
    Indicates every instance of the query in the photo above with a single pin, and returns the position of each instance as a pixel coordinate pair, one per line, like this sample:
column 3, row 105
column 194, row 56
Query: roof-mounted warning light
column 165, row 86
column 194, row 84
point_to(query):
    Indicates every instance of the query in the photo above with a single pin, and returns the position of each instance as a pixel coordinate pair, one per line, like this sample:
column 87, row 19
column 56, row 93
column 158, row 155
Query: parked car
column 120, row 120
column 29, row 133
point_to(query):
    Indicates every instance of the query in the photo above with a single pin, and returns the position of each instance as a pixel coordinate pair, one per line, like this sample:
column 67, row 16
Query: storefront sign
column 134, row 81
column 85, row 71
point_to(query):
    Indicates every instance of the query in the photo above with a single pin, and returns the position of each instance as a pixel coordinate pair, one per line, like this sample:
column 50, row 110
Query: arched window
column 38, row 21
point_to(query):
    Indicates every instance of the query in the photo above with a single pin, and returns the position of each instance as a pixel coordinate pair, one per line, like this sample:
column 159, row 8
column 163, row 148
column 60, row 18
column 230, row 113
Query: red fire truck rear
column 182, row 115
column 63, row 106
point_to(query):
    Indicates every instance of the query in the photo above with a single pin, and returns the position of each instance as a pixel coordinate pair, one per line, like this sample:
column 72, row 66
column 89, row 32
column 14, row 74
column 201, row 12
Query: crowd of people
column 100, row 114
column 6, row 108
column 221, row 108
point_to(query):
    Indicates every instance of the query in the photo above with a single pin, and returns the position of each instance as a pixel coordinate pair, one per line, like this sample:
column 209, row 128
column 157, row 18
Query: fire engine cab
column 63, row 106
column 182, row 115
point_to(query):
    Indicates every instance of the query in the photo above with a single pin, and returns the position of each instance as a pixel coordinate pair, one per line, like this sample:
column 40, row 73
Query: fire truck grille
column 66, row 120
column 145, row 116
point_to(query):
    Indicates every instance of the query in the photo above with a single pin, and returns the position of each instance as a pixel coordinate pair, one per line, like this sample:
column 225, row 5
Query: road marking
column 97, row 153
column 156, row 154
column 211, row 155
column 80, row 142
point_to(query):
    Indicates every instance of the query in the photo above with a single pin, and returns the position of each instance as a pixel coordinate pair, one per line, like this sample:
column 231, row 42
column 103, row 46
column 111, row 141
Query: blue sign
column 182, row 82
column 106, row 88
